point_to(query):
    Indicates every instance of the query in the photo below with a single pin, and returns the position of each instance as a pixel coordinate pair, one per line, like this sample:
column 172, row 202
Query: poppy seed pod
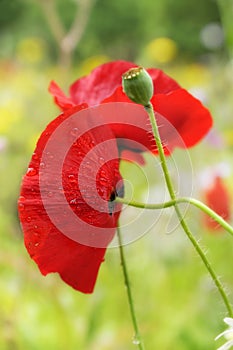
column 138, row 85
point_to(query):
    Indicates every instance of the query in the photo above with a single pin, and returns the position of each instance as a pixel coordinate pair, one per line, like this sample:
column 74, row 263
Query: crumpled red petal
column 100, row 83
column 60, row 98
column 163, row 84
column 103, row 81
column 187, row 120
column 182, row 121
column 51, row 249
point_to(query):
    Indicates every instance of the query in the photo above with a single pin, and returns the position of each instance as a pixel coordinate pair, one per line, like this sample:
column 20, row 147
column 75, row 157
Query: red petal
column 183, row 121
column 189, row 119
column 100, row 83
column 186, row 119
column 163, row 84
column 52, row 240
column 60, row 98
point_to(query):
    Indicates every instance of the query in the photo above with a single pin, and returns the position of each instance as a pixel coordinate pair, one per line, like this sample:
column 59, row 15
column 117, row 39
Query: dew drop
column 74, row 132
column 35, row 156
column 102, row 160
column 72, row 178
column 103, row 173
column 21, row 207
column 22, row 199
column 136, row 341
column 35, row 226
column 73, row 201
column 31, row 172
column 36, row 244
column 29, row 219
column 100, row 191
column 103, row 181
column 50, row 194
column 42, row 165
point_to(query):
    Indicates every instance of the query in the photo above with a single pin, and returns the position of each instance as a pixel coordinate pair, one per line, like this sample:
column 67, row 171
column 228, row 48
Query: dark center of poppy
column 118, row 192
column 112, row 196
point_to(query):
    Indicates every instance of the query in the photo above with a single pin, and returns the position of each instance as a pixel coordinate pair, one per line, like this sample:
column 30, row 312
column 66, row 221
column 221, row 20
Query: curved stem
column 137, row 336
column 171, row 203
column 185, row 227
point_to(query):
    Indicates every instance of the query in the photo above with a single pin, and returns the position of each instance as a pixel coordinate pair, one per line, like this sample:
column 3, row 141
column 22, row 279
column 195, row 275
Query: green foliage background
column 118, row 28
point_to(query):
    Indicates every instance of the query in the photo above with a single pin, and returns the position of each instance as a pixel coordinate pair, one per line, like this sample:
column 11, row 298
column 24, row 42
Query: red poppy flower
column 216, row 196
column 182, row 119
column 66, row 203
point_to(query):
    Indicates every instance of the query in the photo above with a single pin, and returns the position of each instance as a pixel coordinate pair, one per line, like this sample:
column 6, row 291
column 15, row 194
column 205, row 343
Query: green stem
column 137, row 337
column 171, row 203
column 171, row 191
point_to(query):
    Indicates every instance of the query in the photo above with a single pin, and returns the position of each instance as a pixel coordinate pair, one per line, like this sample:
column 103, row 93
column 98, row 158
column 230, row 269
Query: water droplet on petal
column 22, row 199
column 35, row 226
column 72, row 178
column 103, row 173
column 35, row 156
column 74, row 132
column 73, row 201
column 31, row 172
column 20, row 206
column 29, row 219
column 36, row 244
column 42, row 165
column 102, row 160
column 103, row 181
column 100, row 191
column 50, row 194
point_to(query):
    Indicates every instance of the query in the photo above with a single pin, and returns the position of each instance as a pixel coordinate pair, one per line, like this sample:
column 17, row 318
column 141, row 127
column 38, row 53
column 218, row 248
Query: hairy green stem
column 137, row 337
column 185, row 227
column 178, row 200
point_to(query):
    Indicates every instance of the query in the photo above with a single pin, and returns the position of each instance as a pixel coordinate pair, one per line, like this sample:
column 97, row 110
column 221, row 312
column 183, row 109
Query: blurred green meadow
column 177, row 305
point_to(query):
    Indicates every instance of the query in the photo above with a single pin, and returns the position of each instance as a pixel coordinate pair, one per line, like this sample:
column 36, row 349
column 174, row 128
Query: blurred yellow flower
column 191, row 75
column 161, row 50
column 31, row 50
column 92, row 62
column 228, row 136
column 11, row 112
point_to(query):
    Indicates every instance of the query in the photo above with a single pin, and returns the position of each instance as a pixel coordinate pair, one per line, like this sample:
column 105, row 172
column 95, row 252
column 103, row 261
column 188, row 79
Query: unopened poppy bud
column 138, row 85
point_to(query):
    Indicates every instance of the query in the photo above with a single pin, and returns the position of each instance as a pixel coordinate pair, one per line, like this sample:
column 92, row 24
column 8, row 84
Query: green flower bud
column 138, row 85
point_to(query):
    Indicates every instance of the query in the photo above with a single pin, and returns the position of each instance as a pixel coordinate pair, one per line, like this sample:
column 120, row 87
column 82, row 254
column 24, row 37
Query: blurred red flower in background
column 217, row 197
